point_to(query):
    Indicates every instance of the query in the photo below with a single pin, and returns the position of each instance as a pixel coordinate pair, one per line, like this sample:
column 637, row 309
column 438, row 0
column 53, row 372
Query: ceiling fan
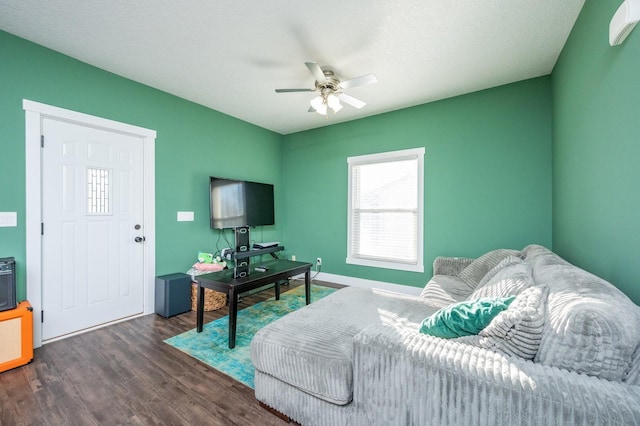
column 330, row 90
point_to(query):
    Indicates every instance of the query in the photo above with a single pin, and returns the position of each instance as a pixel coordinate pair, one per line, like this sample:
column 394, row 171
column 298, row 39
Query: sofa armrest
column 403, row 377
column 450, row 265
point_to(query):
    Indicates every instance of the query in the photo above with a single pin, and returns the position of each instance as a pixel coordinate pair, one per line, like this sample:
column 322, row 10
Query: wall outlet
column 319, row 261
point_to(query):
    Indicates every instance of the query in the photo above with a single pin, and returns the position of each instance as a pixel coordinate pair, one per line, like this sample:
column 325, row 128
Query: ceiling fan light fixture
column 331, row 90
column 334, row 103
column 319, row 105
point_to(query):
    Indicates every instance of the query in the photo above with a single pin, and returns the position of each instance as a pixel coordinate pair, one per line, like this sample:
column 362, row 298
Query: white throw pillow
column 518, row 330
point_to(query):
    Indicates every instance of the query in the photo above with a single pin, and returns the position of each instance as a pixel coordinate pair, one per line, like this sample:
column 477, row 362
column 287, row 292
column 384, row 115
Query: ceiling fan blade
column 293, row 90
column 316, row 71
column 356, row 103
column 359, row 81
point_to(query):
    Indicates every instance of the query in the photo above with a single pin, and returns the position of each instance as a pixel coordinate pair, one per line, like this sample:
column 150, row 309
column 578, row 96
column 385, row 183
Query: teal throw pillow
column 466, row 318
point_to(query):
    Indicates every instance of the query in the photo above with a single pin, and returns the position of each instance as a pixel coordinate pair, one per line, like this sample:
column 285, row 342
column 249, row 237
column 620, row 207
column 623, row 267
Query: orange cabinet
column 16, row 336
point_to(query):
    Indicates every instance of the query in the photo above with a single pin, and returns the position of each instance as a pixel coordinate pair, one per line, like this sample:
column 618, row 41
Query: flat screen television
column 238, row 203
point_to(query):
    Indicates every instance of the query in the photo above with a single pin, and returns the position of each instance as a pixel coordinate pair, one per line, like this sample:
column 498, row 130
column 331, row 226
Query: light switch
column 185, row 216
column 8, row 219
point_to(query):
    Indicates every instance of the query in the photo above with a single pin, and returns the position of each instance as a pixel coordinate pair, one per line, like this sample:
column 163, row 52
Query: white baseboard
column 360, row 282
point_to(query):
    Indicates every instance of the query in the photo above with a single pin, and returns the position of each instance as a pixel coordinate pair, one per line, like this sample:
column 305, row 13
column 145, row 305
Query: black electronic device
column 7, row 283
column 266, row 245
column 173, row 294
column 239, row 203
column 242, row 239
column 241, row 271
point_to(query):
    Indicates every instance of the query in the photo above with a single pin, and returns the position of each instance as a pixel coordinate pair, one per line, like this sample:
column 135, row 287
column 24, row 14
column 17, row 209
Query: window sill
column 385, row 264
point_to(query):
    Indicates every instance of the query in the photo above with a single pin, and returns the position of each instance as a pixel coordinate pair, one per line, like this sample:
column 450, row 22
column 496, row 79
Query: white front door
column 92, row 214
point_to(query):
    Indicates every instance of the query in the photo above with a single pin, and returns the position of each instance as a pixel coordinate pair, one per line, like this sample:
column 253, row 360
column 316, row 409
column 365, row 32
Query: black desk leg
column 200, row 309
column 277, row 290
column 233, row 316
column 307, row 285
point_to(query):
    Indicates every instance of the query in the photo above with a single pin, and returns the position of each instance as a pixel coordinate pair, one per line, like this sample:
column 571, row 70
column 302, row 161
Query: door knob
column 139, row 239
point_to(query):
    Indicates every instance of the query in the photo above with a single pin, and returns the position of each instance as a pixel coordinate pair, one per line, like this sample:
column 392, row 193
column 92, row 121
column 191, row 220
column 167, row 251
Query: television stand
column 224, row 281
column 244, row 257
column 258, row 252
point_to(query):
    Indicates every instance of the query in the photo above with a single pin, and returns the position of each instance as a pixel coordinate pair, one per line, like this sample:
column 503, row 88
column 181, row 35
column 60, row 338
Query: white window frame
column 415, row 153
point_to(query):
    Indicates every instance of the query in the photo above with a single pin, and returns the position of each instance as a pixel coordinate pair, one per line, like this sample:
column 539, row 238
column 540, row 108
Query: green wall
column 504, row 167
column 487, row 177
column 192, row 143
column 596, row 134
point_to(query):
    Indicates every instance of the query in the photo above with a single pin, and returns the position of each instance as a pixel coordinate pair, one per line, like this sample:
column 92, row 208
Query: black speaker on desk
column 241, row 269
column 242, row 239
column 173, row 294
column 7, row 283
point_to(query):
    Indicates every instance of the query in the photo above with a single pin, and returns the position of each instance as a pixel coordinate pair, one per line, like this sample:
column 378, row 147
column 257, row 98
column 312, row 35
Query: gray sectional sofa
column 566, row 351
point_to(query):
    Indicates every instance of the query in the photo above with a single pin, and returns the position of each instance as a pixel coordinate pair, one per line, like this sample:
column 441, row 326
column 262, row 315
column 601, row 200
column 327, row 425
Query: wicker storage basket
column 212, row 299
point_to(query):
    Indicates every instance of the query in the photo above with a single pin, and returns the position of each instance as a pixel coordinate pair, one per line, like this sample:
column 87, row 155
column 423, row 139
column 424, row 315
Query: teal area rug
column 211, row 346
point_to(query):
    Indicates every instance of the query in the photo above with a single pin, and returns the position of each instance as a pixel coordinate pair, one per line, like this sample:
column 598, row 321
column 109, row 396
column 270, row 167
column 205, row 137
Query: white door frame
column 34, row 112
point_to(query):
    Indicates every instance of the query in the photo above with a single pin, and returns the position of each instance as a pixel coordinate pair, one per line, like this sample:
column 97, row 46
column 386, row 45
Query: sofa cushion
column 452, row 266
column 464, row 318
column 473, row 274
column 312, row 348
column 508, row 278
column 443, row 290
column 591, row 327
column 518, row 330
column 542, row 256
column 507, row 261
column 633, row 375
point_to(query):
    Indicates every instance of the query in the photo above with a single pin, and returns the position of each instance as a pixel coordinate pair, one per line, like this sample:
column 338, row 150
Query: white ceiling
column 230, row 55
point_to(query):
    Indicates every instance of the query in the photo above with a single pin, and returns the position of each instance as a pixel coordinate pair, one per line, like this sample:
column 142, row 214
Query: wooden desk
column 223, row 281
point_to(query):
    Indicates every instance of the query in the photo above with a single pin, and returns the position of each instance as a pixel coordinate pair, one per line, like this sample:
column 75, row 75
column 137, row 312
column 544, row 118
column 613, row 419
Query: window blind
column 385, row 209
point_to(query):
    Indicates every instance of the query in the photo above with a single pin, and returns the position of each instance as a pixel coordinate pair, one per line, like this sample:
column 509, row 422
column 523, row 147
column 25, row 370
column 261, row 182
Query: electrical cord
column 218, row 243
column 318, row 269
column 224, row 235
column 313, row 277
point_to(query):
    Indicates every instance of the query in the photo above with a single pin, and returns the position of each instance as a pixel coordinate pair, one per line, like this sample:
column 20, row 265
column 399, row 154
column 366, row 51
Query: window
column 98, row 191
column 385, row 223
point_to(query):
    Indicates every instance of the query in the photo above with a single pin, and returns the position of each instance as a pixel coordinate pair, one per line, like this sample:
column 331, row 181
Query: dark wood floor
column 125, row 375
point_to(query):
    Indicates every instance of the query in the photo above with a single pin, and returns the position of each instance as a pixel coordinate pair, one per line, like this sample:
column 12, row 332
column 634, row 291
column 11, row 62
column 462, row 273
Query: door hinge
column 41, row 141
column 41, row 228
column 41, row 316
